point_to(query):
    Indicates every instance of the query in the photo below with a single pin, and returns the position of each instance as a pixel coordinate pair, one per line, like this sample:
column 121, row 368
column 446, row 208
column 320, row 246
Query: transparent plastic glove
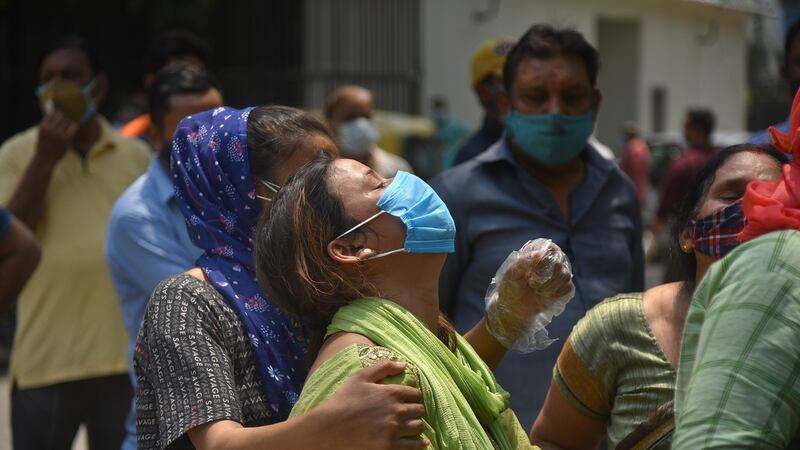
column 532, row 286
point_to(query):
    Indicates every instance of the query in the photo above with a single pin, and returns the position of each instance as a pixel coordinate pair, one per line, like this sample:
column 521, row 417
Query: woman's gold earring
column 687, row 248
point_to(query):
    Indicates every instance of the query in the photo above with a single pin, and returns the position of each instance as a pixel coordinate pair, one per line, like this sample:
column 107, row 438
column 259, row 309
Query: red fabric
column 772, row 206
column 636, row 164
column 679, row 177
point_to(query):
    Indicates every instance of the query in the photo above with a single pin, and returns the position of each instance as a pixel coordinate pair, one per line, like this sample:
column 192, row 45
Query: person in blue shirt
column 487, row 82
column 147, row 239
column 790, row 72
column 542, row 180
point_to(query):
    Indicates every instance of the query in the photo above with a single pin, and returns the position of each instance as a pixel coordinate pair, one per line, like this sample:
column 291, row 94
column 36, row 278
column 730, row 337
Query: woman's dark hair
column 274, row 132
column 698, row 191
column 291, row 253
column 546, row 42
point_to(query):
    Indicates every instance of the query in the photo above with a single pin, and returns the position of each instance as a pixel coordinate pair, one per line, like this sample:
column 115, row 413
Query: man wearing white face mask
column 348, row 111
column 61, row 178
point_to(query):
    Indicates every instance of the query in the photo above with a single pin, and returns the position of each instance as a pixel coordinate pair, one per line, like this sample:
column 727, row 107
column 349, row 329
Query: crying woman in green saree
column 358, row 257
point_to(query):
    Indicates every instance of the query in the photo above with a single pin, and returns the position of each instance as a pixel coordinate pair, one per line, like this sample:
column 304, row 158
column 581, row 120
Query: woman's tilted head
column 291, row 253
column 325, row 236
column 711, row 215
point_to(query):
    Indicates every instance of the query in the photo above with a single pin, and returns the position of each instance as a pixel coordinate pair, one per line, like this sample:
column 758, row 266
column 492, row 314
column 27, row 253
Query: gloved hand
column 532, row 286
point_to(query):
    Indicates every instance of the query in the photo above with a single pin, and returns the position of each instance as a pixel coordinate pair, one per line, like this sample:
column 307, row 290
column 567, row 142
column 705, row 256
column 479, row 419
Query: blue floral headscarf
column 211, row 175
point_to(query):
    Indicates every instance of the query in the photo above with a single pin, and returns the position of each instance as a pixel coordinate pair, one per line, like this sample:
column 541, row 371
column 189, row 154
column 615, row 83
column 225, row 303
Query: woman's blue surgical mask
column 552, row 139
column 429, row 226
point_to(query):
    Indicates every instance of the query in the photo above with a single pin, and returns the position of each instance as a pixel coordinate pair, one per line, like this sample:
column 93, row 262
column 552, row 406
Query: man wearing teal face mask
column 61, row 178
column 542, row 180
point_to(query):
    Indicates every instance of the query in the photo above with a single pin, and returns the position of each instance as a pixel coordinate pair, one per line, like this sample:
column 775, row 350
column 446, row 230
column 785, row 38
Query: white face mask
column 357, row 137
column 271, row 186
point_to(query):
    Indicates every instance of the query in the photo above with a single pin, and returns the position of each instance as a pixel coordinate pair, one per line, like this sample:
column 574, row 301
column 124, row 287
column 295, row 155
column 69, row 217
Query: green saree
column 465, row 408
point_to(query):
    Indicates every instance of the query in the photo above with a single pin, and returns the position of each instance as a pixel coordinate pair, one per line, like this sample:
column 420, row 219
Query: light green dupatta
column 460, row 394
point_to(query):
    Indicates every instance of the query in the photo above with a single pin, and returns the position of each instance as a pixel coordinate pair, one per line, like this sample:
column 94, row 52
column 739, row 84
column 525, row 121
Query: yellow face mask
column 69, row 97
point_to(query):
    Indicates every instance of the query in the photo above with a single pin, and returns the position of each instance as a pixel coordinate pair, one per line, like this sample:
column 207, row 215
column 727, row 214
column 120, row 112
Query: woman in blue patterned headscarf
column 214, row 357
column 218, row 198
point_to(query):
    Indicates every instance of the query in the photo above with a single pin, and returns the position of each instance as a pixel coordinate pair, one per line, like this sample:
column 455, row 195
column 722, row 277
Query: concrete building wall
column 694, row 52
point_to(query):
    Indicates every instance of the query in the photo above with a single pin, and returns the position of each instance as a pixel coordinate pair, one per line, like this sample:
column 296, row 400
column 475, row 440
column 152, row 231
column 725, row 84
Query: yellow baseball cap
column 489, row 58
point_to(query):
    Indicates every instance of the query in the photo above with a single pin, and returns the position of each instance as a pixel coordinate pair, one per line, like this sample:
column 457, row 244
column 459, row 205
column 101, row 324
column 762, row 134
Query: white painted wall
column 694, row 74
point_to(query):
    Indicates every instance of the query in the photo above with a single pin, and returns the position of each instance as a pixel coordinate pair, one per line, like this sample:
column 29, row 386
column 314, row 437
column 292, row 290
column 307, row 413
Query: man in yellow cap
column 487, row 81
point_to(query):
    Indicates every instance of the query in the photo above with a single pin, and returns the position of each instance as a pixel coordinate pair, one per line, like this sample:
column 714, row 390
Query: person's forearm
column 27, row 202
column 302, row 432
column 485, row 345
column 297, row 433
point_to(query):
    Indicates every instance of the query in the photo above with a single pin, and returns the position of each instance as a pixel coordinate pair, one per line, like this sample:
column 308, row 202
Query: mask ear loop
column 271, row 186
column 40, row 90
column 372, row 252
column 91, row 105
column 360, row 225
column 381, row 255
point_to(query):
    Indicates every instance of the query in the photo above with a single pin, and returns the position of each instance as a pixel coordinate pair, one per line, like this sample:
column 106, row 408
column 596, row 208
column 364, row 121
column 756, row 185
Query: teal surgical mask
column 552, row 139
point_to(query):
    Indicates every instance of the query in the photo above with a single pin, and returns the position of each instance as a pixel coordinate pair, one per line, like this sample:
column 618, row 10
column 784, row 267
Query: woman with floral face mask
column 359, row 257
column 617, row 369
column 738, row 383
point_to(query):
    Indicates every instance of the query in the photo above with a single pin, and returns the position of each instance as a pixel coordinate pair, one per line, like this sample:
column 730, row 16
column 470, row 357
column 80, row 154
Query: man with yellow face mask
column 61, row 178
